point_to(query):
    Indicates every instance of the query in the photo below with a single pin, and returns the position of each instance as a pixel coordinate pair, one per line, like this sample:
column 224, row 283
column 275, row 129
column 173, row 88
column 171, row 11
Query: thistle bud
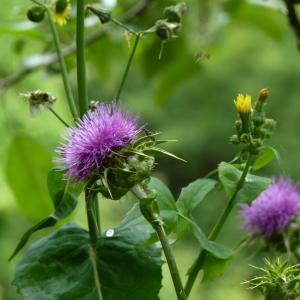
column 175, row 13
column 36, row 14
column 166, row 30
column 103, row 15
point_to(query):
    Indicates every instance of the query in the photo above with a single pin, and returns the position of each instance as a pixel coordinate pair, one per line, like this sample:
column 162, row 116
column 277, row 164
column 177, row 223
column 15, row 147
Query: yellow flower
column 62, row 10
column 243, row 104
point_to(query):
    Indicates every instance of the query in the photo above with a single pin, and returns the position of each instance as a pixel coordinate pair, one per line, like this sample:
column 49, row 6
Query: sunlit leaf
column 267, row 155
column 253, row 186
column 64, row 197
column 27, row 166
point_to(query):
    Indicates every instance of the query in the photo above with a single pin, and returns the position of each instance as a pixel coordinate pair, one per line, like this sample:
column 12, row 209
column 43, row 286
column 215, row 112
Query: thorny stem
column 199, row 262
column 80, row 56
column 137, row 39
column 157, row 224
column 90, row 199
column 58, row 117
column 63, row 67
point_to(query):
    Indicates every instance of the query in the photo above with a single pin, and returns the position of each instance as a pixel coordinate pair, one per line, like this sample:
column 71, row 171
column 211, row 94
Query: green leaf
column 26, row 169
column 64, row 197
column 253, row 186
column 193, row 194
column 59, row 267
column 214, row 267
column 212, row 247
column 266, row 155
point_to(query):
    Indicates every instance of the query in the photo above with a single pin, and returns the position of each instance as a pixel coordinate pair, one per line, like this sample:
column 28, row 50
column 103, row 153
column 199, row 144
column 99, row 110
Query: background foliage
column 224, row 47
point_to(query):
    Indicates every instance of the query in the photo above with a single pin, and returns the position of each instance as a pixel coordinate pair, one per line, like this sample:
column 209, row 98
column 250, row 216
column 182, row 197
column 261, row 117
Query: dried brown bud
column 263, row 95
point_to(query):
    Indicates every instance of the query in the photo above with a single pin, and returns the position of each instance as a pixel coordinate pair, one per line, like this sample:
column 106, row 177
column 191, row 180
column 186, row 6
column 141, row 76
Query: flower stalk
column 199, row 262
column 80, row 57
column 150, row 211
column 137, row 39
column 91, row 199
column 63, row 68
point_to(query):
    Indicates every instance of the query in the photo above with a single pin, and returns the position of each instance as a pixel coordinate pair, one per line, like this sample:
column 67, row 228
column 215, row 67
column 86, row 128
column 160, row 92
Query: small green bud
column 166, row 30
column 36, row 14
column 234, row 139
column 103, row 15
column 270, row 124
column 238, row 126
column 174, row 13
column 60, row 6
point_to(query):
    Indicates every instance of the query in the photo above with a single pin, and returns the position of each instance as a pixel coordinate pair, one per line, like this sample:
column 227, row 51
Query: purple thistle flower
column 273, row 209
column 106, row 129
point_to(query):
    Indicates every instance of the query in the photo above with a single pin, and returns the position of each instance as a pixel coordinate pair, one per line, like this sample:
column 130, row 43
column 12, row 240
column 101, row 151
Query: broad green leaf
column 253, row 186
column 64, row 198
column 266, row 155
column 214, row 267
column 193, row 194
column 26, row 169
column 212, row 247
column 59, row 267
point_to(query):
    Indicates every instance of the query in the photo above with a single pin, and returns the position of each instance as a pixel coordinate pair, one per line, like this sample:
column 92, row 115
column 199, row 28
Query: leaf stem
column 80, row 57
column 150, row 211
column 58, row 117
column 137, row 39
column 199, row 262
column 90, row 199
column 63, row 68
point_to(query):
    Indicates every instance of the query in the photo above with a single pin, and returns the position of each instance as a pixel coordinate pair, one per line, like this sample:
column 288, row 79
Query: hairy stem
column 150, row 212
column 63, row 68
column 137, row 39
column 90, row 199
column 80, row 57
column 199, row 262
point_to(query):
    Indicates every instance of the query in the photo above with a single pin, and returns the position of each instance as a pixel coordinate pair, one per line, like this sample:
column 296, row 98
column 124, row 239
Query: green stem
column 150, row 211
column 63, row 67
column 158, row 227
column 123, row 26
column 97, row 214
column 137, row 39
column 91, row 198
column 80, row 56
column 58, row 117
column 199, row 262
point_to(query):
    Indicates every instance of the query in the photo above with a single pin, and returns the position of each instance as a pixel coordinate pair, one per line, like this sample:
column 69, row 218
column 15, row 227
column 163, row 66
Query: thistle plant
column 106, row 154
column 278, row 281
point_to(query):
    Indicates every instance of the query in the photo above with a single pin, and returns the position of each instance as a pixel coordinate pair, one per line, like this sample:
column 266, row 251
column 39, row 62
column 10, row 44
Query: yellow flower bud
column 243, row 104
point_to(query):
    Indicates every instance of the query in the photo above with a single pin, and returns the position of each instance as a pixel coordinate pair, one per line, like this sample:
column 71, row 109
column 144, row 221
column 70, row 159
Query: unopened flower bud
column 234, row 139
column 166, row 30
column 36, row 14
column 263, row 95
column 103, row 15
column 174, row 13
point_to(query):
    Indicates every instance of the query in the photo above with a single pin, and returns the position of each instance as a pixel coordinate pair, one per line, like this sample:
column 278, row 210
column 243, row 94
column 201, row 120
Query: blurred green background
column 224, row 48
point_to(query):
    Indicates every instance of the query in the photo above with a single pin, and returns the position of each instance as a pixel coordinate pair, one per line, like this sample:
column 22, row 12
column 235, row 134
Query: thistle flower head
column 62, row 10
column 243, row 104
column 100, row 133
column 273, row 209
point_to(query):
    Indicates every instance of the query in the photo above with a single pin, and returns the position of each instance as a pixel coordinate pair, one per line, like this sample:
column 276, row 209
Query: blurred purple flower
column 100, row 132
column 273, row 209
